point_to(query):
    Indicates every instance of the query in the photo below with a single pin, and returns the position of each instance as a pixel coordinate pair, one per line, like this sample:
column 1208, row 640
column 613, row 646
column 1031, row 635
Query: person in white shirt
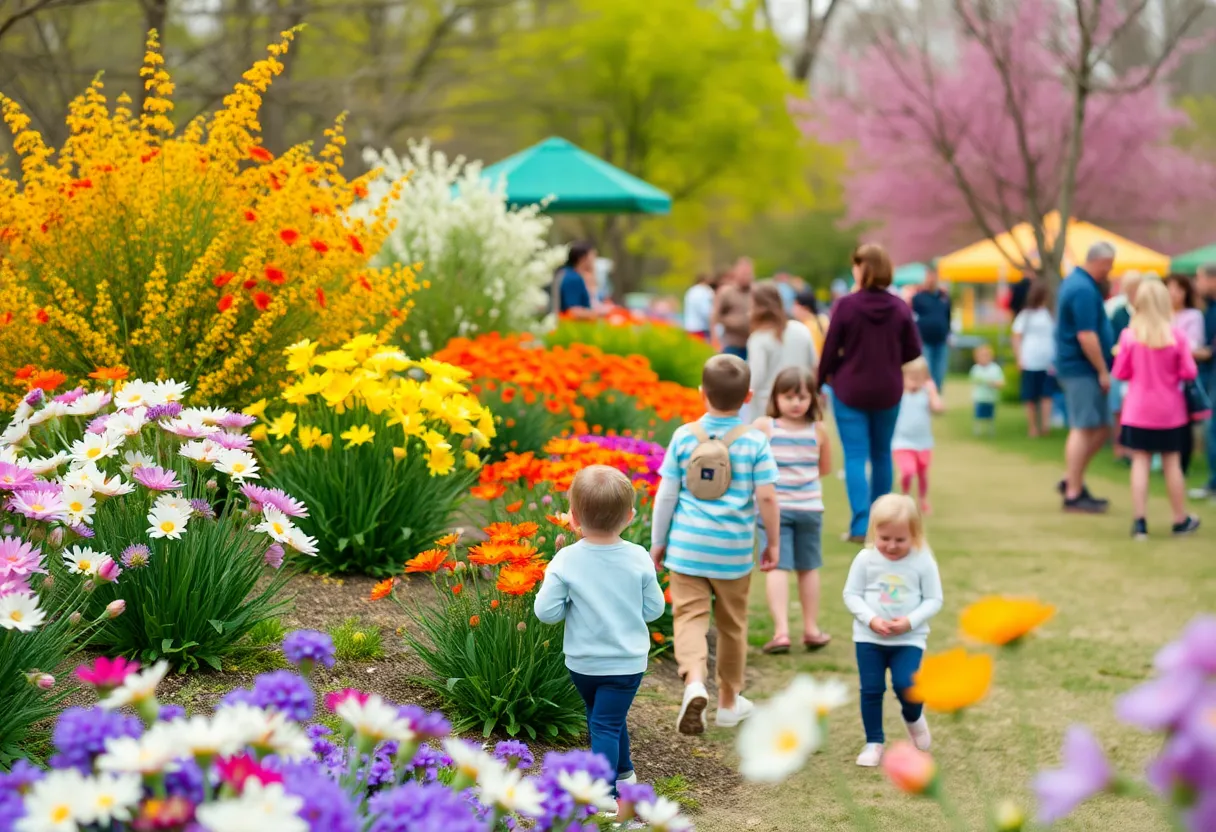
column 1034, row 344
column 699, row 307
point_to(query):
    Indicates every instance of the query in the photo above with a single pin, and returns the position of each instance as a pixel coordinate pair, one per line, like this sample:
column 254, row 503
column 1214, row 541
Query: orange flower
column 430, row 561
column 262, row 301
column 41, row 316
column 658, row 637
column 260, row 154
column 448, row 539
column 667, row 595
column 225, row 303
column 318, row 246
column 494, row 604
column 110, row 373
column 25, row 372
column 491, row 553
column 514, row 507
column 474, row 620
column 456, row 590
column 488, row 492
column 511, row 532
column 46, row 380
column 383, row 589
column 360, row 190
column 289, row 236
column 355, row 245
column 515, row 581
column 562, row 521
column 999, row 621
column 320, row 297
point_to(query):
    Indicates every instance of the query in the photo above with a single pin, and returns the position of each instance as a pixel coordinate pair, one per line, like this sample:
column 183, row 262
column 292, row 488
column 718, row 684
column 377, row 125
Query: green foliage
column 673, row 354
column 520, row 425
column 811, row 245
column 369, row 511
column 677, row 788
column 199, row 597
column 354, row 642
column 22, row 704
column 496, row 668
column 267, row 633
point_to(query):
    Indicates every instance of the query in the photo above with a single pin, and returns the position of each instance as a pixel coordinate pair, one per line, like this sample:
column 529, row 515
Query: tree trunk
column 276, row 105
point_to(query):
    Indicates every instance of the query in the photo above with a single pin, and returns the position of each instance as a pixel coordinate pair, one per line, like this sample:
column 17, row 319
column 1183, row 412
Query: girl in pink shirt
column 1155, row 359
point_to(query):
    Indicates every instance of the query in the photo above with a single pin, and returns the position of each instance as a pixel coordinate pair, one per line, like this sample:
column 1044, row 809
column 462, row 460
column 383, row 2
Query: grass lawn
column 997, row 528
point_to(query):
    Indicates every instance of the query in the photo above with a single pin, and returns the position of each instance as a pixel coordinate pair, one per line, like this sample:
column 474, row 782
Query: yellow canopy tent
column 983, row 262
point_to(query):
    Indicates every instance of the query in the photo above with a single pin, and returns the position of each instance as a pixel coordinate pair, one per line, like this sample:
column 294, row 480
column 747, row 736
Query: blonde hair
column 917, row 367
column 1152, row 325
column 601, row 499
column 896, row 508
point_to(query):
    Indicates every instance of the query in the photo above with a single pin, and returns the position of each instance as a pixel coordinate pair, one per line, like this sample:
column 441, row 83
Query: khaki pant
column 691, row 602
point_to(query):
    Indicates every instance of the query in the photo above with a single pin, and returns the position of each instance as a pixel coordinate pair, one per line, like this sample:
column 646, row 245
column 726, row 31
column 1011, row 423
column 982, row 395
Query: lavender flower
column 1161, row 703
column 97, row 425
column 232, row 441
column 515, row 754
column 81, row 734
column 156, row 478
column 135, row 556
column 308, row 646
column 240, row 696
column 418, row 806
column 427, row 762
column 34, row 397
column 635, row 793
column 378, row 769
column 1195, row 649
column 186, row 781
column 286, row 692
column 426, row 725
column 571, row 761
column 237, row 421
column 164, row 411
column 168, row 713
column 1085, row 773
column 326, row 807
column 82, row 531
column 20, row 777
column 274, row 555
column 70, row 396
column 203, row 509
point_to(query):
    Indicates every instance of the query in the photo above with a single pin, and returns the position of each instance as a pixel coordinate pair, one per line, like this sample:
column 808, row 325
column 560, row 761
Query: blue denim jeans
column 608, row 699
column 866, row 437
column 938, row 357
column 873, row 662
column 1209, row 428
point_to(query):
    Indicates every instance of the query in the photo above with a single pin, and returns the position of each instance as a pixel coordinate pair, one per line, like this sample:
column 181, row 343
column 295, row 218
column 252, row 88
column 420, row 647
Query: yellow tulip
column 951, row 681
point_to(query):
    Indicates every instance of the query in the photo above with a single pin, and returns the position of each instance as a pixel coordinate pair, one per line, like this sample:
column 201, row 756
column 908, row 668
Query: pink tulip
column 116, row 608
column 911, row 770
column 106, row 674
column 108, row 571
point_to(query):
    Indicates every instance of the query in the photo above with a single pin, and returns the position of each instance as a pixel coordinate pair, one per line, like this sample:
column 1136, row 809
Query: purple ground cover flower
column 240, row 696
column 300, row 646
column 168, row 713
column 203, row 509
column 326, row 807
column 156, row 478
column 284, row 691
column 514, row 753
column 427, row 725
column 422, row 806
column 164, row 411
column 81, row 734
column 427, row 762
column 1084, row 773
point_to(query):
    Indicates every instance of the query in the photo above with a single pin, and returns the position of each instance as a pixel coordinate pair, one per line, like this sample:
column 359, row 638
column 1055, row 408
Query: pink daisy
column 156, row 478
column 281, row 500
column 18, row 558
column 237, row 421
column 43, row 503
column 14, row 477
column 106, row 674
column 232, row 441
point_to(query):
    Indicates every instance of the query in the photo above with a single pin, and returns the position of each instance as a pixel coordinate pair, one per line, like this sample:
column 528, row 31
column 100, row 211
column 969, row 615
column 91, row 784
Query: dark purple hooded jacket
column 871, row 337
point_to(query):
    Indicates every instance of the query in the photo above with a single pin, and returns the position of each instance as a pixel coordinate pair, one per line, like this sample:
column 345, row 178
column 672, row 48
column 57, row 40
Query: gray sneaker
column 1204, row 493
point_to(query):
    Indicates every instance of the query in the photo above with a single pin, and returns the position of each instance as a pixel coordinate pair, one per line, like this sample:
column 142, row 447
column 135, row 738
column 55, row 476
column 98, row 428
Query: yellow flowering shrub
column 381, row 448
column 182, row 253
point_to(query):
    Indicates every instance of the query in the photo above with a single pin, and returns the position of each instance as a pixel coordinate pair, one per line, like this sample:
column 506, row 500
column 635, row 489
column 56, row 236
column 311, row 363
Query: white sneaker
column 630, row 779
column 919, row 732
column 611, row 812
column 730, row 717
column 692, row 710
column 871, row 755
column 1201, row 494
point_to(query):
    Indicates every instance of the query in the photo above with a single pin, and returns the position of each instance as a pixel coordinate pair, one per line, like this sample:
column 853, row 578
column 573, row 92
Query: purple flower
column 300, row 646
column 1161, row 703
column 274, row 555
column 240, row 696
column 81, row 734
column 18, row 559
column 232, row 441
column 571, row 761
column 1195, row 649
column 1183, row 765
column 237, row 421
column 20, row 777
column 135, row 556
column 187, row 781
column 14, row 477
column 515, row 754
column 34, row 397
column 168, row 713
column 278, row 498
column 286, row 692
column 422, row 807
column 82, row 530
column 97, row 425
column 1084, row 774
column 427, row 762
column 326, row 807
column 635, row 793
column 1202, row 816
column 379, row 770
column 203, row 509
column 164, row 411
column 70, row 396
column 156, row 478
column 427, row 725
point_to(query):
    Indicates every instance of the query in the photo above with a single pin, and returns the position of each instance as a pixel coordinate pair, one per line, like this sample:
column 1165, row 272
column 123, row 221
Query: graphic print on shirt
column 893, row 595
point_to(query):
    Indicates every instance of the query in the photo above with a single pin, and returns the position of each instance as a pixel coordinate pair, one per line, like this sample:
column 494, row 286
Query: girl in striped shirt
column 800, row 448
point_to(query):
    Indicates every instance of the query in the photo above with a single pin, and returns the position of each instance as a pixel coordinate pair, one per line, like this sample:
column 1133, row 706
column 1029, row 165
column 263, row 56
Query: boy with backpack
column 716, row 472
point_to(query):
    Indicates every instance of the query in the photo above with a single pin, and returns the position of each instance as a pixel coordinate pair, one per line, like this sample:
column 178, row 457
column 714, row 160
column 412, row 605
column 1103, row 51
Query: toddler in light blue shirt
column 606, row 590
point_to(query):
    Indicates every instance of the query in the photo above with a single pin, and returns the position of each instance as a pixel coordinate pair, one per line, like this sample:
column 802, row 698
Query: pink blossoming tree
column 1027, row 120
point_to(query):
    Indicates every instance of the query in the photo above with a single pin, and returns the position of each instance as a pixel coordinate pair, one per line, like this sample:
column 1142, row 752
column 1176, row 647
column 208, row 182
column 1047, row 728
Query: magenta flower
column 21, row 585
column 281, row 500
column 1085, row 773
column 108, row 571
column 156, row 478
column 232, row 441
column 14, row 477
column 106, row 674
column 1195, row 649
column 333, row 700
column 236, row 421
column 18, row 558
column 70, row 396
column 274, row 556
column 236, row 770
column 98, row 425
column 42, row 503
column 1161, row 703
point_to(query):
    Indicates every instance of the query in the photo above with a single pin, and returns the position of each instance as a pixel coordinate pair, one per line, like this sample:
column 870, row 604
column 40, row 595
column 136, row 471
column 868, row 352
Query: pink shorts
column 913, row 462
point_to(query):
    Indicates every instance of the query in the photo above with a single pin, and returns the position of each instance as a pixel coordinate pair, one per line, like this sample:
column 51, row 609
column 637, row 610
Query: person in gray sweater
column 775, row 344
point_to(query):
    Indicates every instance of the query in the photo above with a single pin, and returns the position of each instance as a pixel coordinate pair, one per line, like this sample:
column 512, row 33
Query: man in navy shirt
column 1083, row 349
column 931, row 308
column 1205, row 282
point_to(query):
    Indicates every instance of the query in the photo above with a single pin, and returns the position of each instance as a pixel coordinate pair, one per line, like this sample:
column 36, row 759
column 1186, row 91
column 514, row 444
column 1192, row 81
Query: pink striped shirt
column 1154, row 379
column 796, row 451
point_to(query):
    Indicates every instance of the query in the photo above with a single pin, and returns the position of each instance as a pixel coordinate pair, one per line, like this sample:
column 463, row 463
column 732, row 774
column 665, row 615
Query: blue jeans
column 737, row 352
column 608, row 699
column 938, row 357
column 873, row 661
column 1209, row 428
column 866, row 437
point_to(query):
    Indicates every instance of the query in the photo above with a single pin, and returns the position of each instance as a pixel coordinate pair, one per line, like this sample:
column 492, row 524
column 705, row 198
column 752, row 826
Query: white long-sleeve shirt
column 880, row 588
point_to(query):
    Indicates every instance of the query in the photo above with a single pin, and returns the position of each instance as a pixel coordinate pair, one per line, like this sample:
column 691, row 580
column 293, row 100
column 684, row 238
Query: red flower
column 41, row 317
column 318, row 246
column 236, row 770
column 222, row 279
column 275, row 182
column 149, row 156
column 494, row 604
column 355, row 244
column 260, row 154
column 289, row 236
column 456, row 590
column 250, row 216
column 320, row 297
column 365, row 283
column 25, row 372
column 250, row 283
column 474, row 620
column 226, row 303
column 82, row 183
column 275, row 275
column 262, row 301
column 360, row 190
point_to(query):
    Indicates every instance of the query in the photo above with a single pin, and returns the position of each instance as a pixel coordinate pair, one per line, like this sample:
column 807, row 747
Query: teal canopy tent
column 575, row 181
column 1190, row 262
column 910, row 274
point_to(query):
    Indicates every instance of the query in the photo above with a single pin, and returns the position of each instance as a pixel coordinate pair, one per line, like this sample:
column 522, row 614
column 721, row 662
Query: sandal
column 776, row 646
column 812, row 643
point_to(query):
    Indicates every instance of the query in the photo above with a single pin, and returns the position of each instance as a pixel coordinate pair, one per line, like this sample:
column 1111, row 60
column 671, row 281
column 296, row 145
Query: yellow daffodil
column 398, row 453
column 282, row 427
column 300, row 356
column 258, row 433
column 326, row 441
column 377, row 397
column 308, row 436
column 360, row 343
column 336, row 360
column 471, row 461
column 952, row 681
column 358, row 435
column 287, row 449
column 341, row 386
column 257, row 409
column 440, row 459
column 1000, row 621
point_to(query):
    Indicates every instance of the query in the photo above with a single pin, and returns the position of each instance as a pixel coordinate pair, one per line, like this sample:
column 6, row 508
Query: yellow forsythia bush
column 191, row 254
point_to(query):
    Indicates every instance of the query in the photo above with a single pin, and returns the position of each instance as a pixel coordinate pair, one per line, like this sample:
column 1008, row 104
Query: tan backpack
column 709, row 466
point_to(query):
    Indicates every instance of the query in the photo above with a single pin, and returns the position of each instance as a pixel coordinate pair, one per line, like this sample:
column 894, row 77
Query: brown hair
column 876, row 270
column 793, row 380
column 601, row 499
column 1039, row 295
column 726, row 381
column 1188, row 289
column 768, row 310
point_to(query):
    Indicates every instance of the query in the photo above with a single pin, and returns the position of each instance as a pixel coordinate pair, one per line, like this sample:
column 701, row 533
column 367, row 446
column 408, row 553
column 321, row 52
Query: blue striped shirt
column 716, row 538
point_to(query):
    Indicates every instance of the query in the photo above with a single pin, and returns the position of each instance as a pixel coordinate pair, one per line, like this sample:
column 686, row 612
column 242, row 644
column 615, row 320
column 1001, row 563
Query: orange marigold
column 562, row 521
column 514, row 507
column 383, row 589
column 658, row 637
column 515, row 581
column 491, row 553
column 46, row 380
column 456, row 590
column 488, row 492
column 110, row 373
column 474, row 620
column 430, row 561
column 494, row 604
column 448, row 540
column 511, row 532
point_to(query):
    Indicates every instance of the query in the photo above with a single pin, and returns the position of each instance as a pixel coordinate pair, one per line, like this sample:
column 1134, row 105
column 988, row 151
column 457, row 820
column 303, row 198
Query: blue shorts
column 1085, row 402
column 1037, row 385
column 801, row 540
column 985, row 410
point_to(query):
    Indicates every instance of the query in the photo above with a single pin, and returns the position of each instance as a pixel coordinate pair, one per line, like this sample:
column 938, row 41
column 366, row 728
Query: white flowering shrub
column 485, row 265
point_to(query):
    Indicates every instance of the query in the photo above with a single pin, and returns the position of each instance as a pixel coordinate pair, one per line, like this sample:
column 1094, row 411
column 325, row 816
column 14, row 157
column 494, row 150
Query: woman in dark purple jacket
column 871, row 336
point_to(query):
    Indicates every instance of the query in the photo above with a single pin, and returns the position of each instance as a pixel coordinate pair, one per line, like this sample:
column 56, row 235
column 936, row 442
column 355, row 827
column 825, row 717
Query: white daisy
column 586, row 790
column 136, row 459
column 152, row 753
column 206, row 415
column 375, row 719
column 55, row 803
column 89, row 403
column 93, row 448
column 112, row 486
column 203, row 737
column 776, row 741
column 663, row 816
column 16, row 433
column 508, row 790
column 170, row 391
column 174, row 501
column 80, row 503
column 301, row 542
column 81, row 475
column 189, row 428
column 137, row 687
column 470, row 760
column 44, row 465
column 238, row 464
column 135, row 393
column 205, row 451
column 52, row 410
column 81, row 560
column 22, row 411
column 127, row 422
column 260, row 807
column 110, row 797
column 820, row 698
column 167, row 521
column 276, row 524
column 269, row 732
column 19, row 611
